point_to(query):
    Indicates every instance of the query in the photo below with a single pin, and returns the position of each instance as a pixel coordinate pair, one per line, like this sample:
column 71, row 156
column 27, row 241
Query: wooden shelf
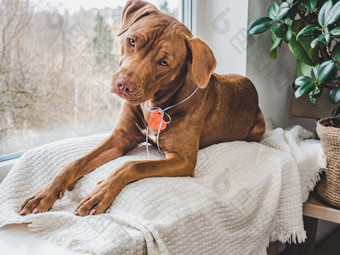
column 316, row 208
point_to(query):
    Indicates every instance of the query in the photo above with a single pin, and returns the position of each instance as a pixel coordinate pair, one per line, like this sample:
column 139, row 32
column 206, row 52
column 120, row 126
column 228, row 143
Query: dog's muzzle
column 123, row 87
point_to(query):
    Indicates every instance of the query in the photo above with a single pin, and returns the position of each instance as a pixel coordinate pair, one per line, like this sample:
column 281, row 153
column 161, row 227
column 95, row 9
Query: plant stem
column 324, row 55
column 331, row 55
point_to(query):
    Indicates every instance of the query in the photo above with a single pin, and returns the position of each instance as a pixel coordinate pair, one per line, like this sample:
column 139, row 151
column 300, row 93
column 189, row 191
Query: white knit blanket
column 242, row 196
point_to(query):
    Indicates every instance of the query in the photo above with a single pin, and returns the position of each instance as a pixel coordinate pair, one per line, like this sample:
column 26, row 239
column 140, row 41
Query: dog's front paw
column 42, row 201
column 98, row 201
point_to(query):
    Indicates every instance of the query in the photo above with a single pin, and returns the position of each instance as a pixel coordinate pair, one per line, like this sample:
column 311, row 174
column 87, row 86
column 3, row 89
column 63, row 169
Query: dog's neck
column 180, row 89
column 175, row 99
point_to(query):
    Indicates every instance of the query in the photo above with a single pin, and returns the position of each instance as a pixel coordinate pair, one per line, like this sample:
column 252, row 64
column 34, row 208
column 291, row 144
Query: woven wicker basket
column 329, row 186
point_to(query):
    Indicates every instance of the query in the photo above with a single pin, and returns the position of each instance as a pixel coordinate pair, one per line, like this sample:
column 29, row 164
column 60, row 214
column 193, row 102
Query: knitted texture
column 329, row 187
column 242, row 196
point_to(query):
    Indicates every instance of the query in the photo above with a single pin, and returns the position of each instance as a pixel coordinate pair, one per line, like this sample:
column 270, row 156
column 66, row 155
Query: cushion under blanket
column 243, row 195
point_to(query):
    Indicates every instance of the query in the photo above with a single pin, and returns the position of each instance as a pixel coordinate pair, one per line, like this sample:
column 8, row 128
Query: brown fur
column 225, row 108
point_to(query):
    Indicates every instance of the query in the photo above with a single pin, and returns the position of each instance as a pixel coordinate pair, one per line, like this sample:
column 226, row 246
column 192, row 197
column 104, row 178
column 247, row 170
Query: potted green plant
column 311, row 28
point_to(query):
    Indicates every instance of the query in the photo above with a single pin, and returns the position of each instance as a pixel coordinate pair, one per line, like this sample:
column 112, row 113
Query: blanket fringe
column 311, row 185
column 298, row 236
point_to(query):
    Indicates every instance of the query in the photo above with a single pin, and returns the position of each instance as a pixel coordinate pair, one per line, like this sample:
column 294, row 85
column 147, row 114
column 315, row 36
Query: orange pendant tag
column 155, row 120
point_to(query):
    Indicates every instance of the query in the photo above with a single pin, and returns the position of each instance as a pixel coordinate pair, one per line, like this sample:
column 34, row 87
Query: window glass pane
column 56, row 63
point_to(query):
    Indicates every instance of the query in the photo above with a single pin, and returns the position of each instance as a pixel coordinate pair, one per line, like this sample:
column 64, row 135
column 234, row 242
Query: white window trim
column 6, row 166
column 197, row 17
column 223, row 26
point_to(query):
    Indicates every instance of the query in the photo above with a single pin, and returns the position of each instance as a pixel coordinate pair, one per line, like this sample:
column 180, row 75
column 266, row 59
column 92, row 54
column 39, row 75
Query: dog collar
column 157, row 121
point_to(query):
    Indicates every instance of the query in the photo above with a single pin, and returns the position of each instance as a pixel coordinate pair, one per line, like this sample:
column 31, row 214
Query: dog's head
column 158, row 52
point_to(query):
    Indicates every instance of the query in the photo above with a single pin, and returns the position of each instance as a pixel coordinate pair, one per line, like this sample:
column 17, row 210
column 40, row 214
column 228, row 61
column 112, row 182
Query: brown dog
column 162, row 64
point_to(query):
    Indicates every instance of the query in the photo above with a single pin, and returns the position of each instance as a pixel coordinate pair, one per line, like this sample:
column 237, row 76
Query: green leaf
column 318, row 91
column 310, row 4
column 302, row 69
column 288, row 35
column 324, row 12
column 315, row 92
column 334, row 95
column 336, row 53
column 313, row 55
column 273, row 10
column 314, row 73
column 321, row 39
column 298, row 49
column 290, row 2
column 276, row 12
column 300, row 81
column 276, row 43
column 273, row 51
column 293, row 11
column 312, row 99
column 259, row 25
column 336, row 111
column 325, row 69
column 294, row 86
column 313, row 52
column 327, row 36
column 335, row 31
column 333, row 15
column 308, row 30
column 314, row 43
column 280, row 29
column 304, row 89
column 296, row 26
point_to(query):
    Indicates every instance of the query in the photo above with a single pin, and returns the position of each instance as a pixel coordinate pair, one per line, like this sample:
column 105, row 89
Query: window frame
column 7, row 161
column 186, row 13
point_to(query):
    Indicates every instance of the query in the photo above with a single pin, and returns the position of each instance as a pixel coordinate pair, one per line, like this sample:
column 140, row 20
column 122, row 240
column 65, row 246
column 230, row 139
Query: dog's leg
column 104, row 194
column 124, row 137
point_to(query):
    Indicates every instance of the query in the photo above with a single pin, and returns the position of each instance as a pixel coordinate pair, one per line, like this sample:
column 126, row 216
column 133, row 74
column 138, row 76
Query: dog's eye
column 132, row 41
column 163, row 63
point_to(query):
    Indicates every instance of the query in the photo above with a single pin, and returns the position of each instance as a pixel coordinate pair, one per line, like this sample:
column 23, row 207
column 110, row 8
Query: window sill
column 5, row 167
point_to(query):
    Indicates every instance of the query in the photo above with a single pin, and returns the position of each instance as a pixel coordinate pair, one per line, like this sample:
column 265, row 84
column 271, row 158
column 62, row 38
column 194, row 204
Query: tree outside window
column 56, row 65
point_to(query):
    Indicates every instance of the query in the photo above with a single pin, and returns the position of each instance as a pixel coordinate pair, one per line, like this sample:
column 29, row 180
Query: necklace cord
column 163, row 112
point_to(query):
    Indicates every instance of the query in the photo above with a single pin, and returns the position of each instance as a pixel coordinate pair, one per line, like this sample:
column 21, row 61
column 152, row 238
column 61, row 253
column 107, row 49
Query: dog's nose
column 125, row 85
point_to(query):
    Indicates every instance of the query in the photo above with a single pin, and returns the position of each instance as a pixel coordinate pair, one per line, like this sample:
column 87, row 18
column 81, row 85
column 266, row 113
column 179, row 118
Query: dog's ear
column 203, row 61
column 133, row 11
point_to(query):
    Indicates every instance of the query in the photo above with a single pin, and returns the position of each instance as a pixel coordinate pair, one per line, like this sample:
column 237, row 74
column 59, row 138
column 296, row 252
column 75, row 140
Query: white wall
column 222, row 25
column 272, row 78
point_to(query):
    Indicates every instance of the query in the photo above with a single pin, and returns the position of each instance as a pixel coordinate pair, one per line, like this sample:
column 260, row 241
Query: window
column 56, row 63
